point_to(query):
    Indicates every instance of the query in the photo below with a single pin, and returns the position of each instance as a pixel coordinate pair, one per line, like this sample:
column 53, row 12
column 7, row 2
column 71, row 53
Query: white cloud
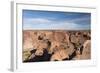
column 35, row 21
column 43, row 23
column 80, row 19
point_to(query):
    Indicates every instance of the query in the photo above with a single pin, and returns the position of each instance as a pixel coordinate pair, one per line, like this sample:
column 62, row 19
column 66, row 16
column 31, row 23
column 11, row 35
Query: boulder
column 86, row 54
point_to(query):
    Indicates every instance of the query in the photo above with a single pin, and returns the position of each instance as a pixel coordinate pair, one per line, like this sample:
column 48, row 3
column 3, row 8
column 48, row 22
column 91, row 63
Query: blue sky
column 33, row 19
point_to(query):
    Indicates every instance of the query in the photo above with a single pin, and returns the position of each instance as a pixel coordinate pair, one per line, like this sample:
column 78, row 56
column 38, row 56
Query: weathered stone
column 61, row 44
column 86, row 54
column 59, row 55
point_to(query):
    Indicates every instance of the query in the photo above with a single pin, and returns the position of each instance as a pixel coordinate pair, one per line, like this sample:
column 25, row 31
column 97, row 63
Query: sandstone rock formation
column 58, row 45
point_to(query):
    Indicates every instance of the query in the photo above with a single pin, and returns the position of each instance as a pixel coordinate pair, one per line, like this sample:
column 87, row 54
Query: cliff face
column 58, row 45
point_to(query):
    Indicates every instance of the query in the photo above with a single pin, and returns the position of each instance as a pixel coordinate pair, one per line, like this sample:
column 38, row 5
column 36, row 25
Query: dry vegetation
column 56, row 45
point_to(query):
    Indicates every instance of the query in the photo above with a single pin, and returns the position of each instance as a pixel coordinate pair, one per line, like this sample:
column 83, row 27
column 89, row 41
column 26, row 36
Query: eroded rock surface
column 56, row 45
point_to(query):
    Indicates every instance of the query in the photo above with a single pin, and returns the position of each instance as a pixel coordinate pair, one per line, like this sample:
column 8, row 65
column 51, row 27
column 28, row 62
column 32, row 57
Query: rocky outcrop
column 86, row 54
column 58, row 45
